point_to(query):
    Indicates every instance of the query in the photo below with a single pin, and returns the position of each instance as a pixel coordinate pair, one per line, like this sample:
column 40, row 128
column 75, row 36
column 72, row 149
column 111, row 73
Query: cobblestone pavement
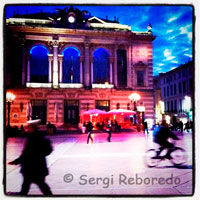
column 103, row 168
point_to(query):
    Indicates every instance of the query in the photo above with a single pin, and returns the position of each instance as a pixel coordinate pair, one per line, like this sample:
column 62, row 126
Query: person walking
column 109, row 130
column 89, row 128
column 32, row 160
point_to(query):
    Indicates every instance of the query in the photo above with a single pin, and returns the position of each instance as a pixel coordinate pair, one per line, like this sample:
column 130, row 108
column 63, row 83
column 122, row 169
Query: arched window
column 39, row 66
column 101, row 67
column 71, row 65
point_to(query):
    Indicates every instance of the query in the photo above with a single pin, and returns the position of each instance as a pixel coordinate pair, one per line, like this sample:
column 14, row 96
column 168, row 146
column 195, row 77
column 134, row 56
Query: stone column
column 23, row 64
column 111, row 70
column 28, row 68
column 50, row 59
column 86, row 66
column 60, row 60
column 55, row 64
column 91, row 70
column 81, row 69
column 115, row 66
column 128, row 66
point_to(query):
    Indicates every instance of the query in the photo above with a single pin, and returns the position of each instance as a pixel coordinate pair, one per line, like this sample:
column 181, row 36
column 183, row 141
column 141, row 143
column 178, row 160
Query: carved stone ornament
column 39, row 94
column 102, row 95
column 71, row 95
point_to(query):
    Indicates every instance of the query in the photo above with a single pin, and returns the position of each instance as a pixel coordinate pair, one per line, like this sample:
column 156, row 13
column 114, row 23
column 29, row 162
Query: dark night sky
column 172, row 26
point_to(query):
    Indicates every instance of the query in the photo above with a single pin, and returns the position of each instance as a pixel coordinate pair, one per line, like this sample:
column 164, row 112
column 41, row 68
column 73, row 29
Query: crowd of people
column 180, row 126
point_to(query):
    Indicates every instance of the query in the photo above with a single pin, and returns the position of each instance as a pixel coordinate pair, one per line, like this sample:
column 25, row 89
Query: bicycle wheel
column 151, row 159
column 178, row 156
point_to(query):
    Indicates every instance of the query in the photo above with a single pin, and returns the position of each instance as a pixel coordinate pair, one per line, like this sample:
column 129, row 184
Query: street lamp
column 134, row 97
column 10, row 97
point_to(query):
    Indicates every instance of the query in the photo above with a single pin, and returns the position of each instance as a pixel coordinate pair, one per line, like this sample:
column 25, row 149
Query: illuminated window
column 101, row 67
column 39, row 66
column 103, row 105
column 71, row 65
column 165, row 106
column 180, row 103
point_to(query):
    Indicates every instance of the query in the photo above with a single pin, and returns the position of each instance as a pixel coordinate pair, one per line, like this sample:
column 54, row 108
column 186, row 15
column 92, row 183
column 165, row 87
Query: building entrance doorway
column 71, row 111
column 39, row 110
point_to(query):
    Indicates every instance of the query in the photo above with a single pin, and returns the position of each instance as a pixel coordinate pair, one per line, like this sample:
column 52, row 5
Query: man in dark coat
column 33, row 161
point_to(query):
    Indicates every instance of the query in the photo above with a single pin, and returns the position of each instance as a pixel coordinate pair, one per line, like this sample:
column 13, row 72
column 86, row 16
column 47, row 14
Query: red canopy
column 93, row 115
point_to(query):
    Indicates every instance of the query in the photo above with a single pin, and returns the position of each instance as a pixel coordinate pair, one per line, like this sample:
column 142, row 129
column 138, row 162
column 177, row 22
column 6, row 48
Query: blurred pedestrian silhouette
column 145, row 127
column 180, row 124
column 187, row 126
column 109, row 130
column 89, row 128
column 33, row 161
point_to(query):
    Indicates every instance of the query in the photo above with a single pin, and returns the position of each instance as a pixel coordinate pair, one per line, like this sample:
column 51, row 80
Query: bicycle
column 176, row 155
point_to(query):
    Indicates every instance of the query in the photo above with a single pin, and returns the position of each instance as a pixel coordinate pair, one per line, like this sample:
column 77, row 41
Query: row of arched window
column 39, row 65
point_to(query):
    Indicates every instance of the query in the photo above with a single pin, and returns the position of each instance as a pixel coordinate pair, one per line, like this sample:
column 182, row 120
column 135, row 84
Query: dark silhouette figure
column 33, row 161
column 89, row 128
column 109, row 130
column 180, row 124
column 187, row 126
column 51, row 128
column 145, row 127
column 22, row 130
column 117, row 126
column 174, row 123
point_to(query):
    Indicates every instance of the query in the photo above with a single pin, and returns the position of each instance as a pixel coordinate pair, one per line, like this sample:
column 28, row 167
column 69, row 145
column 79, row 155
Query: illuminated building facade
column 174, row 92
column 64, row 63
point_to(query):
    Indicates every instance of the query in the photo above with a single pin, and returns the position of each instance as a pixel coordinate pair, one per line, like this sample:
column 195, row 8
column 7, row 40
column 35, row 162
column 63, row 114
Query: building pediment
column 96, row 20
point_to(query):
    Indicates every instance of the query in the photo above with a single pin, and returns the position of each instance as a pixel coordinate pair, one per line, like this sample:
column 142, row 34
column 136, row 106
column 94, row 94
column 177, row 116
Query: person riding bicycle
column 161, row 135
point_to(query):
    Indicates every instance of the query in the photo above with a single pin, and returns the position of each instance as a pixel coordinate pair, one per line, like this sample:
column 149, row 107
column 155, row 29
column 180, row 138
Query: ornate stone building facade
column 66, row 65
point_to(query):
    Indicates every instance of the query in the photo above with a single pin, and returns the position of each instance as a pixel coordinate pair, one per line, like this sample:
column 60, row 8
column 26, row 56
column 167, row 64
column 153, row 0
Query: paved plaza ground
column 104, row 168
